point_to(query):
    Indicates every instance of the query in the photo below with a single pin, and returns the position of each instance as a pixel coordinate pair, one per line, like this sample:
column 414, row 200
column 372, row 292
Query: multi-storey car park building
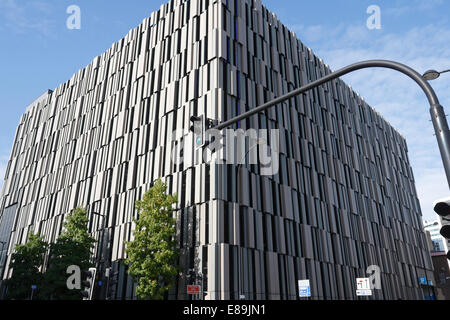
column 343, row 199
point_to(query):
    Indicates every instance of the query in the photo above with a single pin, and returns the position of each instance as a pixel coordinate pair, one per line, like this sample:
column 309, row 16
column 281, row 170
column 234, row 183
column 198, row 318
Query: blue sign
column 100, row 283
column 305, row 292
column 33, row 287
column 423, row 280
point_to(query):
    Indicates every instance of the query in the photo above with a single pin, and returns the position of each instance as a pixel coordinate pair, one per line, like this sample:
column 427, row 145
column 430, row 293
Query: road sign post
column 33, row 288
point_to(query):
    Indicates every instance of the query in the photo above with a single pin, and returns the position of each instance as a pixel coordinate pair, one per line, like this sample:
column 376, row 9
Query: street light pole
column 1, row 265
column 242, row 161
column 436, row 110
column 203, row 286
column 100, row 246
column 3, row 243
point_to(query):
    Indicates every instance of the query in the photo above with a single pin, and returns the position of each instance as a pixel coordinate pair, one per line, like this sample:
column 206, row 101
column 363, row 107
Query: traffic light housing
column 445, row 231
column 89, row 283
column 198, row 128
column 442, row 208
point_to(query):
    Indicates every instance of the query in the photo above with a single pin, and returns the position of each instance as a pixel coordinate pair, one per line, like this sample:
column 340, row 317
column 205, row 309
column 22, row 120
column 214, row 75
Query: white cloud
column 396, row 97
column 316, row 32
column 431, row 185
column 28, row 16
column 412, row 6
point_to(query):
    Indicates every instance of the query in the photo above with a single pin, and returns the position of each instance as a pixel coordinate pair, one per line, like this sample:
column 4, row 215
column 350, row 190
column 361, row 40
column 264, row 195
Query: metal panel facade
column 343, row 199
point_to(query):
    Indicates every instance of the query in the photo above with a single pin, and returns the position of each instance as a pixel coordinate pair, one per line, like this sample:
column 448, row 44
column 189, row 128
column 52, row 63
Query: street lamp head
column 431, row 75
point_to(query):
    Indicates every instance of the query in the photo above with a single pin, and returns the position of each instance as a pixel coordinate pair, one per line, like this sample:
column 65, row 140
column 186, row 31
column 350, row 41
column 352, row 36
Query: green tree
column 153, row 254
column 73, row 247
column 26, row 263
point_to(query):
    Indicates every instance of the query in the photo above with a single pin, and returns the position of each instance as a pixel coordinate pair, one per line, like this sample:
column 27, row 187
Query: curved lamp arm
column 437, row 111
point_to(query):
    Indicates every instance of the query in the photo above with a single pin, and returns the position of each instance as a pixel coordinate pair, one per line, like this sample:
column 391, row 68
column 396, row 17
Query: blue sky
column 39, row 52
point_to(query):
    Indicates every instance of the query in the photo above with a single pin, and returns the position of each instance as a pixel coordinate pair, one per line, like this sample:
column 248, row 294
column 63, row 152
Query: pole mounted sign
column 363, row 287
column 33, row 289
column 193, row 289
column 304, row 289
column 423, row 280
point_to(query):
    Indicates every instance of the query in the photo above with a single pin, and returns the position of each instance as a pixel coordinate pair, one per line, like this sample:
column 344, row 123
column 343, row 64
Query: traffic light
column 442, row 208
column 198, row 128
column 89, row 283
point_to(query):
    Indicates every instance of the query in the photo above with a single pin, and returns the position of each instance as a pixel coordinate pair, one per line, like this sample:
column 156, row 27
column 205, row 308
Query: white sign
column 363, row 293
column 304, row 289
column 363, row 287
column 363, row 284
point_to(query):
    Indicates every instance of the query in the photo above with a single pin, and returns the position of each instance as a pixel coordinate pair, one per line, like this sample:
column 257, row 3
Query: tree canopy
column 73, row 247
column 153, row 254
column 26, row 263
